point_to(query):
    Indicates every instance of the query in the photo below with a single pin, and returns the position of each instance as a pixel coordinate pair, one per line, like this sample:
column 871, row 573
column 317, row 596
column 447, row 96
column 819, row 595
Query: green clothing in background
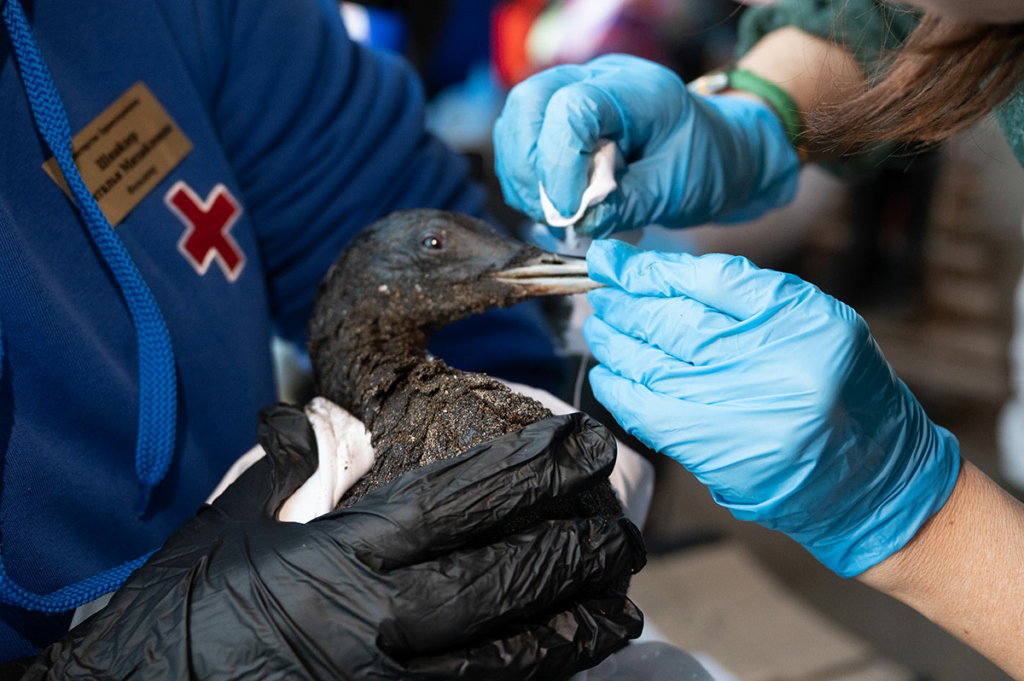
column 868, row 29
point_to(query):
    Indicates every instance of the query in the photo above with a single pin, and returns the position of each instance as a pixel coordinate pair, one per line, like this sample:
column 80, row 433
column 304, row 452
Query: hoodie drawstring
column 157, row 379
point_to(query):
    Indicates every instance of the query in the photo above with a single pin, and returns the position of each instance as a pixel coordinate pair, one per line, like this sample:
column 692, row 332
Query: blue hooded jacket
column 313, row 137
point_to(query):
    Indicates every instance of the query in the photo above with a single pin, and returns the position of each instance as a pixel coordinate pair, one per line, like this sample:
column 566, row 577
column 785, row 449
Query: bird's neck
column 365, row 362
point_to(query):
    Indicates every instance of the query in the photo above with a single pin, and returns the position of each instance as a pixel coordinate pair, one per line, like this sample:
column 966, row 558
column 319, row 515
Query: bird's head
column 424, row 269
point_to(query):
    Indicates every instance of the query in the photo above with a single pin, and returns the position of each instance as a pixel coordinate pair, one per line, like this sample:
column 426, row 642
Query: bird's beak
column 548, row 274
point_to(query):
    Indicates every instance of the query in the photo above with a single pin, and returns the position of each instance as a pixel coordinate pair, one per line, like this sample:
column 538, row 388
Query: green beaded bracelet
column 773, row 95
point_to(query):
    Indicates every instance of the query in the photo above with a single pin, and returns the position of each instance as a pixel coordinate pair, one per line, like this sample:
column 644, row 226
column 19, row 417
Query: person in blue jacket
column 175, row 179
column 772, row 393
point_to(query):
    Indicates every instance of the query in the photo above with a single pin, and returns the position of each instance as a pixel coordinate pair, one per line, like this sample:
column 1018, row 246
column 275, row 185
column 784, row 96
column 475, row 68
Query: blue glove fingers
column 552, row 122
column 620, row 265
column 700, row 437
column 657, row 370
column 632, row 358
column 682, row 327
column 577, row 116
column 630, row 100
column 695, row 163
column 710, row 384
column 663, row 423
column 742, row 471
column 516, row 132
column 731, row 284
column 651, row 99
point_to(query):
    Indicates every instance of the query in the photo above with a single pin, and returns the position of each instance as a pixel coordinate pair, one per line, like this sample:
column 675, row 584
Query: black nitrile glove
column 391, row 588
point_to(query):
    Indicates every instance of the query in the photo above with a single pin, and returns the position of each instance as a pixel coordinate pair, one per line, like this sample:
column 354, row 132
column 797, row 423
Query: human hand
column 397, row 586
column 773, row 394
column 689, row 159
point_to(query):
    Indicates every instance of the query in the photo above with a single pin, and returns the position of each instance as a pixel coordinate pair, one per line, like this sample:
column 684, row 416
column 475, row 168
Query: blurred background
column 929, row 253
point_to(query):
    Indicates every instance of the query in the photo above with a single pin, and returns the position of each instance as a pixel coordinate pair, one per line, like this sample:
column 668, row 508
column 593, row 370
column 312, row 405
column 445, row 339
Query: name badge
column 125, row 152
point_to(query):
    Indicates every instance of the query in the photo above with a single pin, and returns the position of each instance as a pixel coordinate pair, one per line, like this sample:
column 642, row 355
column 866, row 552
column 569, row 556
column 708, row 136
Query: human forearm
column 964, row 570
column 816, row 73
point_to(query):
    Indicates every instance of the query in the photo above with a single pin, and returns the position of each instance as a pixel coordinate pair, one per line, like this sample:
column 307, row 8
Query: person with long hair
column 771, row 392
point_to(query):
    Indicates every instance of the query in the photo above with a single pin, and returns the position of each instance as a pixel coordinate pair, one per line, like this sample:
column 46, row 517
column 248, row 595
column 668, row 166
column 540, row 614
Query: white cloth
column 345, row 456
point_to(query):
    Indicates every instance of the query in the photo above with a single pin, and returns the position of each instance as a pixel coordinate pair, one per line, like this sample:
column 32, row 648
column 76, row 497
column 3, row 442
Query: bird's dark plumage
column 403, row 278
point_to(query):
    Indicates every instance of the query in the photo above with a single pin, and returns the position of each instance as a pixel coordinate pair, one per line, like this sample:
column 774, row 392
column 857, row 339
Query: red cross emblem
column 208, row 223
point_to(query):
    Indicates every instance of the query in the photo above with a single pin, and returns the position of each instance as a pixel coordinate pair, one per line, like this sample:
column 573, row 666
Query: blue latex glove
column 690, row 160
column 773, row 394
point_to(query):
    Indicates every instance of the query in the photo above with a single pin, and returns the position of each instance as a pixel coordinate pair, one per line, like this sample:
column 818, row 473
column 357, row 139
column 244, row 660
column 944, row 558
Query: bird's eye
column 432, row 242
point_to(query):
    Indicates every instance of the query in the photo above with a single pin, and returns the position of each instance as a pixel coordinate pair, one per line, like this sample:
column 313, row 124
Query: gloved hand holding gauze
column 688, row 159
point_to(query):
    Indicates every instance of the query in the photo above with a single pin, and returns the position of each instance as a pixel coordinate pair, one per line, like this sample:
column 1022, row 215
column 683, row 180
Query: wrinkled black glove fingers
column 288, row 439
column 441, row 506
column 559, row 644
column 461, row 596
column 290, row 443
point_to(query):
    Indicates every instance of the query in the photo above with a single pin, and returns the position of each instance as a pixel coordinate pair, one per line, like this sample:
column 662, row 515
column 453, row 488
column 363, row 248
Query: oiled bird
column 403, row 278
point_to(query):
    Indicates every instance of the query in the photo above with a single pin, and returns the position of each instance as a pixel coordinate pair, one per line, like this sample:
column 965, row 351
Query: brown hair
column 947, row 76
